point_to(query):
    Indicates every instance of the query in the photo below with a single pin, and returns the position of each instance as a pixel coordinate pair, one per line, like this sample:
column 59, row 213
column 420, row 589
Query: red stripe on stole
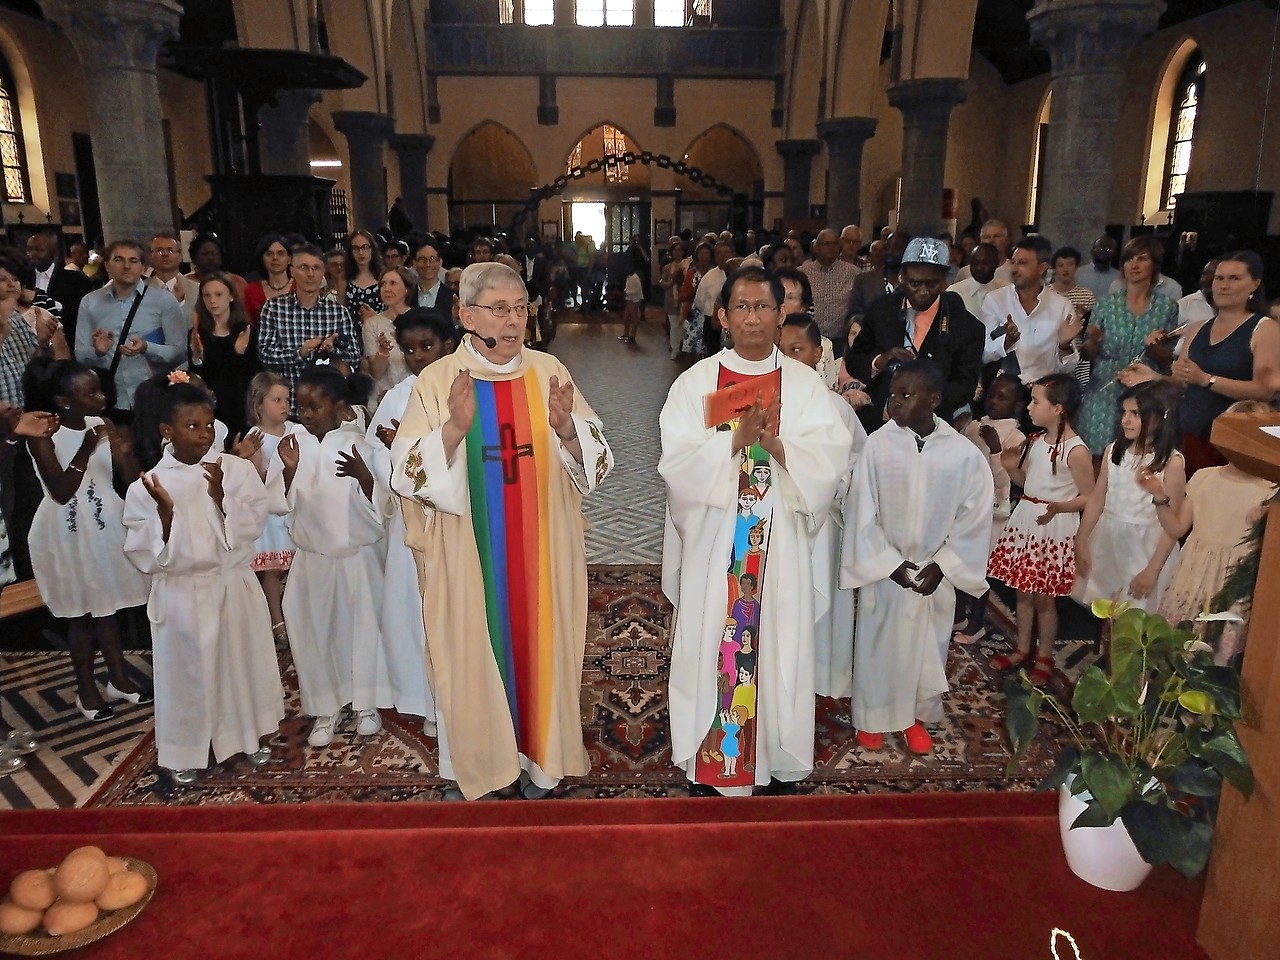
column 512, row 408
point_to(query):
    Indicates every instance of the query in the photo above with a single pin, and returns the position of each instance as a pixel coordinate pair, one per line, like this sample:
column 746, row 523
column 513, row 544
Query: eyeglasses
column 760, row 308
column 307, row 268
column 504, row 310
column 426, row 260
column 360, row 248
column 164, row 251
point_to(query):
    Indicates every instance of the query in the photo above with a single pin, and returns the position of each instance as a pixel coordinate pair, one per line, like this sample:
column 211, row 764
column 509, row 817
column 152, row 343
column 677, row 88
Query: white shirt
column 44, row 276
column 1194, row 308
column 1003, row 272
column 974, row 294
column 1037, row 347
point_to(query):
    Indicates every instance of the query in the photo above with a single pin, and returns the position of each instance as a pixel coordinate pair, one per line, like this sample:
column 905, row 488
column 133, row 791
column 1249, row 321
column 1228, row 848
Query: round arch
column 602, row 141
column 24, row 99
column 1152, row 201
column 491, row 174
column 1038, row 158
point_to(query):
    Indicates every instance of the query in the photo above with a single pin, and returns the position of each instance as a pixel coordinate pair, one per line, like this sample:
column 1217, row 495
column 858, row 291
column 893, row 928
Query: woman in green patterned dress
column 1126, row 340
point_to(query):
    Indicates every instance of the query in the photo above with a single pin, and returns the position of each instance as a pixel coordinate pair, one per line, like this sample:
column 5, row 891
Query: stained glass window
column 13, row 158
column 615, row 144
column 1182, row 128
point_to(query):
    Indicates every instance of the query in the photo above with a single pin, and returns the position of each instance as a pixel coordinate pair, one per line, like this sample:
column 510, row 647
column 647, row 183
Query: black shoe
column 778, row 788
column 702, row 790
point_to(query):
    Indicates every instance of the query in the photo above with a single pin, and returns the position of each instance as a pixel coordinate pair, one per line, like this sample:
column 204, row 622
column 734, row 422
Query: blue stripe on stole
column 495, row 499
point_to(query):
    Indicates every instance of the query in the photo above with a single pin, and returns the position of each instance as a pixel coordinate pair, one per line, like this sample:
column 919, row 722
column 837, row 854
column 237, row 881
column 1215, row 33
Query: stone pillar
column 926, row 114
column 412, row 149
column 117, row 42
column 797, row 165
column 366, row 134
column 845, row 137
column 1088, row 43
column 283, row 135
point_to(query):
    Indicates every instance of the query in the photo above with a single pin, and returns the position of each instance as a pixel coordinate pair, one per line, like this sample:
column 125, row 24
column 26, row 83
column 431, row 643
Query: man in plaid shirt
column 298, row 325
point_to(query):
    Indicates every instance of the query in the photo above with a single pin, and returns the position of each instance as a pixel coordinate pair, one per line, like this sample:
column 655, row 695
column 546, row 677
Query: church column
column 845, row 138
column 412, row 149
column 1088, row 44
column 366, row 134
column 283, row 132
column 926, row 114
column 797, row 167
column 117, row 42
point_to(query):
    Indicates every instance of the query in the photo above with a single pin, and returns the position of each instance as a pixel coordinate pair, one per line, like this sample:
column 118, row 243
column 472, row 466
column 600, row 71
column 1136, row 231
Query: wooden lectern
column 1240, row 915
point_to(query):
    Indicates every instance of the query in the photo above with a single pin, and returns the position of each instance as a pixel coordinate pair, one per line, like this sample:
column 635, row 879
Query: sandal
column 965, row 639
column 1004, row 662
column 1043, row 671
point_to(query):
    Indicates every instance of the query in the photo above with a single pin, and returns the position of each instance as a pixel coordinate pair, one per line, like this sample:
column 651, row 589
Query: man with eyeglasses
column 157, row 337
column 299, row 327
column 920, row 320
column 426, row 263
column 789, row 448
column 166, row 258
column 492, row 457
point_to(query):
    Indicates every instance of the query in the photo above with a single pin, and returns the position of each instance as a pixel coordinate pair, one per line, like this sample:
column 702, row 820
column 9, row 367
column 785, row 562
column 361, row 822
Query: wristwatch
column 1212, row 380
column 1162, row 502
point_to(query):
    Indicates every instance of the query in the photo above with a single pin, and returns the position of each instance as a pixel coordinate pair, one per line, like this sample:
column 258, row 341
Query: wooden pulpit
column 1240, row 915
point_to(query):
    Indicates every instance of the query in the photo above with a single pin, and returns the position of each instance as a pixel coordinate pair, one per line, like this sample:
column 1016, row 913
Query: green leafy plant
column 1152, row 737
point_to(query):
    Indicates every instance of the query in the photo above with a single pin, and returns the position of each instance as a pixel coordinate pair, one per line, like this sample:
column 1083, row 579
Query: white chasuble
column 706, row 509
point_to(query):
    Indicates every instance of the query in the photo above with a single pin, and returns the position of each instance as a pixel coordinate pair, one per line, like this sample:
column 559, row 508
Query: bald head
column 850, row 241
column 826, row 247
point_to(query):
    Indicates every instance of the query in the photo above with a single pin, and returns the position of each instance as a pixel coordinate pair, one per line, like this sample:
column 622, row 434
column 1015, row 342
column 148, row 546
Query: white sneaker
column 368, row 723
column 322, row 732
column 429, row 728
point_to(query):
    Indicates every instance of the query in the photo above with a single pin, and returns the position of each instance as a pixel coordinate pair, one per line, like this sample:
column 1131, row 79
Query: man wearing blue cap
column 918, row 321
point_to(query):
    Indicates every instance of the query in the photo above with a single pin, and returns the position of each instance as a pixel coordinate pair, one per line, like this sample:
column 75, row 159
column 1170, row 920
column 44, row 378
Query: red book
column 731, row 402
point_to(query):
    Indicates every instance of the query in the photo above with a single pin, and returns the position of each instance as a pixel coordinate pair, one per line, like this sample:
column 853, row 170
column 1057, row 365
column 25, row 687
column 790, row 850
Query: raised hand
column 989, row 436
column 560, row 408
column 1071, row 328
column 385, row 345
column 352, row 465
column 213, row 473
column 151, row 482
column 750, row 427
column 242, row 341
column 462, row 402
column 1151, row 483
column 46, row 327
column 248, row 445
column 39, row 425
column 289, row 452
column 103, row 341
column 388, row 434
column 1011, row 332
column 1189, row 373
column 197, row 346
column 1134, row 374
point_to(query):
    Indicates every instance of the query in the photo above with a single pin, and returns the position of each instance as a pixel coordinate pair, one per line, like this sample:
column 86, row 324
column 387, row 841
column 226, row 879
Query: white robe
column 701, row 476
column 404, row 641
column 926, row 506
column 333, row 597
column 833, row 632
column 216, row 677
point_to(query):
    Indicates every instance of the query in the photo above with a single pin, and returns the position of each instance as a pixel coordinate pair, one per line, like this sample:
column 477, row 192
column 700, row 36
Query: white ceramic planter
column 1102, row 856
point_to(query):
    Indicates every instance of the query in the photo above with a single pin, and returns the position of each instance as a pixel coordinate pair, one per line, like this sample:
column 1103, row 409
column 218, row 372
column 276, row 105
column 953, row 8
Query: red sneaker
column 870, row 741
column 918, row 739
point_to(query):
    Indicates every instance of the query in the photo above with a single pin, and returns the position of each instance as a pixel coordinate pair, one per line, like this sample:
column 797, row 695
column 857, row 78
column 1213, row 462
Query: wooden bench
column 20, row 598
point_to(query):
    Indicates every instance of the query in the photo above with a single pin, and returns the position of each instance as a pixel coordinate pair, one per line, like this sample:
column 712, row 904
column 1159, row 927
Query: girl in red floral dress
column 1035, row 553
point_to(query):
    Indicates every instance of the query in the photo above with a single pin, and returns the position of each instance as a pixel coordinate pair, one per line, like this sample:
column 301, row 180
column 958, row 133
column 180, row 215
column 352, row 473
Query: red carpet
column 921, row 876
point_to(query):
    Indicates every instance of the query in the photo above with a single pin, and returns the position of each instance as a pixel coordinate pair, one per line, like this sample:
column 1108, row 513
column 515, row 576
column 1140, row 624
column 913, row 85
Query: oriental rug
column 624, row 716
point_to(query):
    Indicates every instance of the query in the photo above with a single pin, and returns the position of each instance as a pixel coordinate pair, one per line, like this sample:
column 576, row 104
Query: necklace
column 274, row 287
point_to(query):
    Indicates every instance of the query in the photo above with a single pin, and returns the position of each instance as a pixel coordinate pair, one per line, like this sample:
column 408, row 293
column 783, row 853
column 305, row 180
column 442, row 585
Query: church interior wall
column 185, row 108
column 977, row 159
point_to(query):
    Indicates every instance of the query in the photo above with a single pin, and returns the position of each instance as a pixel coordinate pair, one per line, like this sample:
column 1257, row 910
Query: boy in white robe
column 806, row 446
column 917, row 528
column 801, row 339
column 423, row 335
column 192, row 524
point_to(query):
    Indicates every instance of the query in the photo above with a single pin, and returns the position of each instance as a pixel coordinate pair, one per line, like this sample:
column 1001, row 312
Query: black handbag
column 107, row 374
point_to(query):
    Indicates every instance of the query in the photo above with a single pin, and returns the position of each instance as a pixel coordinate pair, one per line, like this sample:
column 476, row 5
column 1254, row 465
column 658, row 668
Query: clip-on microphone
column 489, row 342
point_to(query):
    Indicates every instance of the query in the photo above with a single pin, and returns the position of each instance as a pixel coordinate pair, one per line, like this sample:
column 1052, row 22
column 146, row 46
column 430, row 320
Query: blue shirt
column 160, row 322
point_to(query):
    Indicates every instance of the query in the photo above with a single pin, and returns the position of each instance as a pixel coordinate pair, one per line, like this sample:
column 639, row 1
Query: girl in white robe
column 191, row 524
column 333, row 600
column 423, row 336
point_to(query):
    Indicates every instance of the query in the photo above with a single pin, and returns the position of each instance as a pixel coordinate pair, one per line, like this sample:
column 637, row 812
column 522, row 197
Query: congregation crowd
column 368, row 456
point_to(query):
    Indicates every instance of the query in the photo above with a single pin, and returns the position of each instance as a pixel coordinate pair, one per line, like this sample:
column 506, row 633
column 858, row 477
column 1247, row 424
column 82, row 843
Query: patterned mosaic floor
column 626, row 385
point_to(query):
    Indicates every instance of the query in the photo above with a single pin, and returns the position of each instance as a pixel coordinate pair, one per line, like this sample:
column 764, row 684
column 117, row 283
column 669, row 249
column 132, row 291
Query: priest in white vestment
column 917, row 528
column 742, row 667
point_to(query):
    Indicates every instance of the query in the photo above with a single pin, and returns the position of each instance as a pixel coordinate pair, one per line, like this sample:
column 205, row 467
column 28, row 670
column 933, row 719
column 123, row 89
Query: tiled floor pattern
column 626, row 385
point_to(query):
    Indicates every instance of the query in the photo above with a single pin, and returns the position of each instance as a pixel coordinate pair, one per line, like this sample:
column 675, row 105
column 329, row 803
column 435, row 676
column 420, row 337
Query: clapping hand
column 103, row 341
column 289, row 453
column 1011, row 333
column 750, row 427
column 35, row 424
column 46, row 327
column 388, row 434
column 197, row 347
column 1134, row 374
column 462, row 402
column 134, row 347
column 1071, row 328
column 1151, row 482
column 367, row 311
column 151, row 482
column 352, row 465
column 560, row 408
column 248, row 444
column 213, row 473
column 385, row 345
column 1189, row 373
column 989, row 436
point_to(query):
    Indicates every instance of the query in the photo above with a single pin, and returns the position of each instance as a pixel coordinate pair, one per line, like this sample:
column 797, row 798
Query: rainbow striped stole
column 509, row 468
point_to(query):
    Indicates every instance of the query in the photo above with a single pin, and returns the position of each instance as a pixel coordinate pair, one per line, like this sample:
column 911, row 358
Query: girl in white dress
column 1035, row 553
column 191, row 525
column 333, row 601
column 1122, row 551
column 423, row 336
column 77, row 536
column 267, row 409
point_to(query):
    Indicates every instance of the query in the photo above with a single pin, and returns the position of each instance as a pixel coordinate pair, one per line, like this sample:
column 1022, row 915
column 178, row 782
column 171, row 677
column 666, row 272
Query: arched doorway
column 726, row 159
column 490, row 177
column 606, row 196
